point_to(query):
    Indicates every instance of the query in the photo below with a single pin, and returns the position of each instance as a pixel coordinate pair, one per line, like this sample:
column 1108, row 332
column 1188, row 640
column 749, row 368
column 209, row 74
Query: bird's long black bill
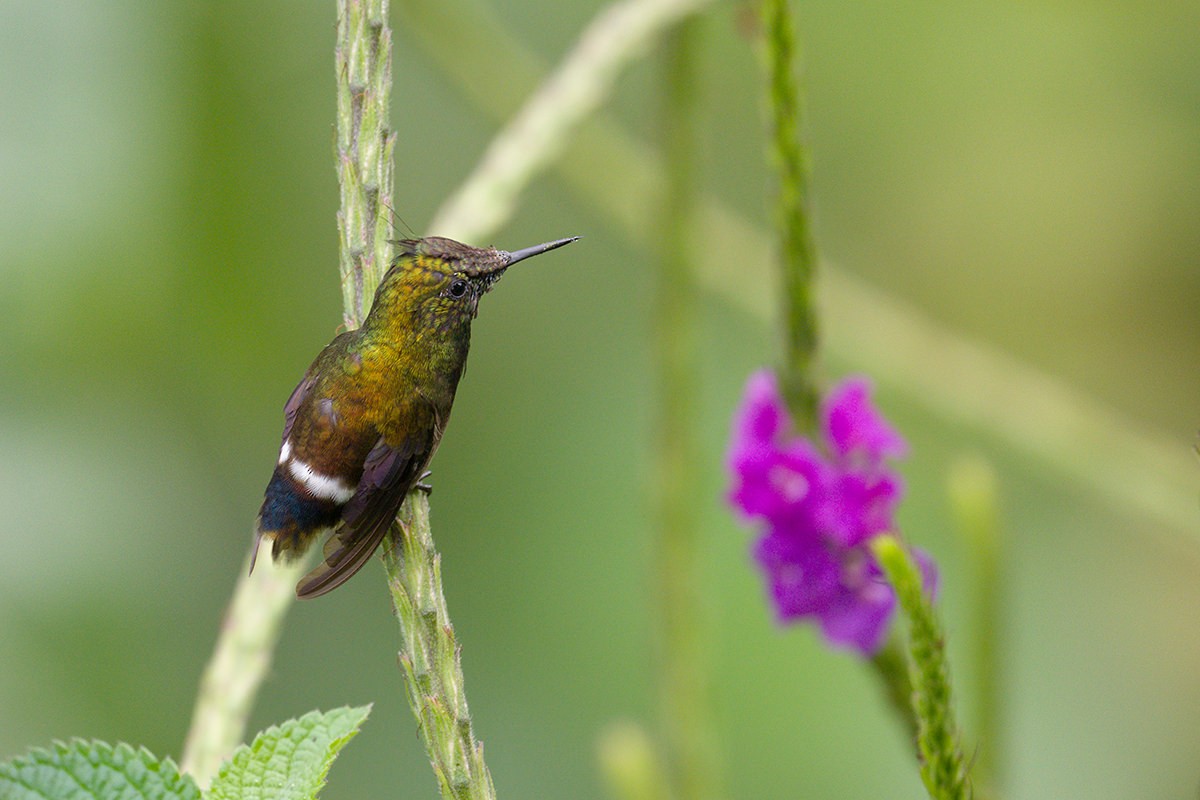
column 536, row 250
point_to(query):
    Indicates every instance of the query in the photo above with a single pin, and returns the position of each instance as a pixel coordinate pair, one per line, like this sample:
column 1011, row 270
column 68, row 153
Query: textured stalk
column 429, row 656
column 959, row 379
column 797, row 257
column 973, row 498
column 363, row 61
column 942, row 768
column 238, row 665
column 683, row 680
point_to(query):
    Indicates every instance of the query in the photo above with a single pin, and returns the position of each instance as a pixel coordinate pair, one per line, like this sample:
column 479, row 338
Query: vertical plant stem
column 429, row 653
column 797, row 253
column 363, row 62
column 683, row 676
column 429, row 656
column 973, row 498
column 942, row 767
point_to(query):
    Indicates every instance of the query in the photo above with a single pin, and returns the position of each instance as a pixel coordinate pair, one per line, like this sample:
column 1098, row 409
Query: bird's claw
column 421, row 485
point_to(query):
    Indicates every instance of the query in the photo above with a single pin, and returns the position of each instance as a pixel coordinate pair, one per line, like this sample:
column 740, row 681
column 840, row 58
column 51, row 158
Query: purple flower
column 852, row 425
column 820, row 504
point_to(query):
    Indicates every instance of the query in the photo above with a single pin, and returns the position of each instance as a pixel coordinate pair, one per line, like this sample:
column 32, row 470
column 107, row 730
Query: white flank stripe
column 319, row 485
column 285, row 452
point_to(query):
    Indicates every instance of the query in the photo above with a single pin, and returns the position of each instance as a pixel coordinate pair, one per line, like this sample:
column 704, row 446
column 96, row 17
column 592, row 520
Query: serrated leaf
column 82, row 770
column 288, row 761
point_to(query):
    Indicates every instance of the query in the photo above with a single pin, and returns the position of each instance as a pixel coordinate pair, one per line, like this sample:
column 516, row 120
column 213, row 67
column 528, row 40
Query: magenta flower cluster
column 820, row 505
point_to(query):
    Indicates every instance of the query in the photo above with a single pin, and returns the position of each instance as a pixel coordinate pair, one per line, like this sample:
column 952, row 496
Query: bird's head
column 435, row 283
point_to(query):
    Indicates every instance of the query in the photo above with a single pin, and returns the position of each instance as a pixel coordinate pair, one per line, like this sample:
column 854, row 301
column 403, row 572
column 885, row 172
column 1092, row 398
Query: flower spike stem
column 942, row 767
column 797, row 254
column 429, row 656
column 363, row 61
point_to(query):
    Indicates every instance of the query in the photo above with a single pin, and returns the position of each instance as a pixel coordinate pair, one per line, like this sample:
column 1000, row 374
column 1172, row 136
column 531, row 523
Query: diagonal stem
column 957, row 378
column 547, row 122
column 250, row 629
column 240, row 660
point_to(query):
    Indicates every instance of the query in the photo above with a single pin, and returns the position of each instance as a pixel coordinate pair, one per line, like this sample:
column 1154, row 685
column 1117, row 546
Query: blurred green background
column 1025, row 173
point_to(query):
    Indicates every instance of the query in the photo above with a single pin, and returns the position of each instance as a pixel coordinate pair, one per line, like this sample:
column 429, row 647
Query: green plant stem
column 959, row 379
column 973, row 499
column 619, row 33
column 942, row 767
column 363, row 63
column 797, row 256
column 683, row 679
column 238, row 665
column 429, row 656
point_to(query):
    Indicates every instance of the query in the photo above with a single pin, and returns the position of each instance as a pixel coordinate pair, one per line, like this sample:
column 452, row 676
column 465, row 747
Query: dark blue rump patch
column 285, row 509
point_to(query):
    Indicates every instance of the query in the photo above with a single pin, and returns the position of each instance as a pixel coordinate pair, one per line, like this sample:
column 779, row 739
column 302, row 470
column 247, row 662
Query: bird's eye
column 458, row 288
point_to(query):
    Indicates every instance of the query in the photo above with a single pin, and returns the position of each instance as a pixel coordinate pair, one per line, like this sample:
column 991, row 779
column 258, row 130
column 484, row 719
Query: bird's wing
column 388, row 474
column 292, row 407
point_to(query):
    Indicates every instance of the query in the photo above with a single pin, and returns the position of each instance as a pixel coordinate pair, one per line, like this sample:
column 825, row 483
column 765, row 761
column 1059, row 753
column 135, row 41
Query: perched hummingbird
column 369, row 413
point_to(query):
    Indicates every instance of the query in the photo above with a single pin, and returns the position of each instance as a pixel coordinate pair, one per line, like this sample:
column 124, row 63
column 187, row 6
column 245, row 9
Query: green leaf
column 81, row 770
column 288, row 761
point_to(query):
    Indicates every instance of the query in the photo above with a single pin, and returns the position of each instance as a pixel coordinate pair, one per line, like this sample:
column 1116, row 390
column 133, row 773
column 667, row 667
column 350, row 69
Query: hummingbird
column 366, row 418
